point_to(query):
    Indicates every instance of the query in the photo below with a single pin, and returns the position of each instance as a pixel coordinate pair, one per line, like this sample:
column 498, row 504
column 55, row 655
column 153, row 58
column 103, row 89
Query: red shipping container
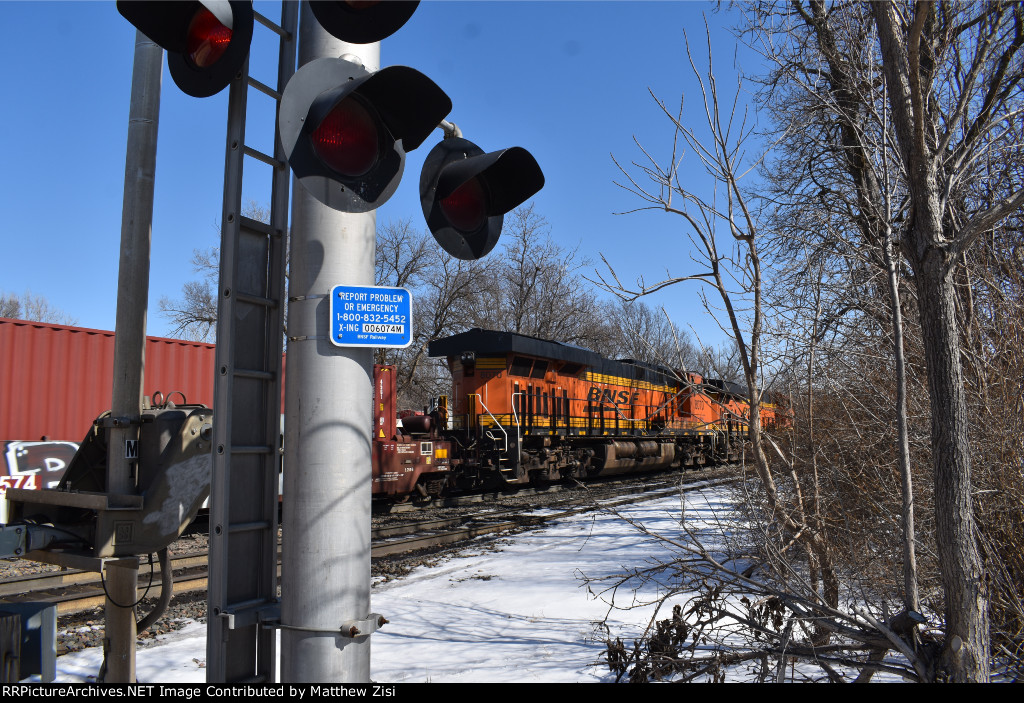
column 55, row 380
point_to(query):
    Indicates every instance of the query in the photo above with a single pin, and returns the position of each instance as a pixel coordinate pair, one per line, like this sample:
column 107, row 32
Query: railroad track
column 74, row 591
column 451, row 530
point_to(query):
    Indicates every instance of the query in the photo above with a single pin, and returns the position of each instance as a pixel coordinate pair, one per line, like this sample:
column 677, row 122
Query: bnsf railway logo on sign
column 363, row 316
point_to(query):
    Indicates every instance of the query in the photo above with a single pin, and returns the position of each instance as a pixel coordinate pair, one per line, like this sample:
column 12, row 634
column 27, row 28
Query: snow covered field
column 515, row 611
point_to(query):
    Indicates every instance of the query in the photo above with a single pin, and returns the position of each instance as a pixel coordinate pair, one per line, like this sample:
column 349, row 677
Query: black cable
column 166, row 588
column 110, row 598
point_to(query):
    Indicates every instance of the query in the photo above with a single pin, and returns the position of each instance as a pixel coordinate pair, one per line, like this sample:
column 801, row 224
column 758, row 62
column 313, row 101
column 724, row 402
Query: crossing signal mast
column 345, row 127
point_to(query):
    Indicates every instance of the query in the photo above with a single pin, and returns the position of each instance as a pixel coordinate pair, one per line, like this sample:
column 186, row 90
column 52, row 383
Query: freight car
column 530, row 410
column 56, row 381
column 522, row 409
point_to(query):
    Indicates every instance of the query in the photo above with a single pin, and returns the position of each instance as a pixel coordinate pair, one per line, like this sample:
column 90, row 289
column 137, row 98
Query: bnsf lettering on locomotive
column 606, row 395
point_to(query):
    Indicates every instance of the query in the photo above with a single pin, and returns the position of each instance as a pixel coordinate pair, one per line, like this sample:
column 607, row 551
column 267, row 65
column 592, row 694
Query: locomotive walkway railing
column 493, row 419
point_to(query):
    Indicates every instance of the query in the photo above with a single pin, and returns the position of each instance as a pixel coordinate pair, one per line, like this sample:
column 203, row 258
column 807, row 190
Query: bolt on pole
column 130, row 337
column 327, row 477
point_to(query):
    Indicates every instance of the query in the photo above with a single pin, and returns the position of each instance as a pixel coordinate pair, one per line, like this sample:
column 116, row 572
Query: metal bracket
column 108, row 421
column 13, row 540
column 266, row 615
column 82, row 560
column 21, row 539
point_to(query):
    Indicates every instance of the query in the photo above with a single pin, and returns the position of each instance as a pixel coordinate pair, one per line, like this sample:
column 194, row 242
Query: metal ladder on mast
column 242, row 593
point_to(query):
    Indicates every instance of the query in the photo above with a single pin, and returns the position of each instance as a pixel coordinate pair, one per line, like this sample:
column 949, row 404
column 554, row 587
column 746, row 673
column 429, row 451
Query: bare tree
column 732, row 271
column 32, row 307
column 194, row 314
column 529, row 285
column 792, row 515
column 837, row 209
column 909, row 144
column 538, row 287
column 635, row 330
column 725, row 235
column 446, row 293
column 939, row 135
column 403, row 255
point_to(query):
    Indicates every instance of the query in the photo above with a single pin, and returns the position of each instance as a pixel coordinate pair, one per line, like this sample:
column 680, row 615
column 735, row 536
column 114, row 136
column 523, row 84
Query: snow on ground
column 513, row 611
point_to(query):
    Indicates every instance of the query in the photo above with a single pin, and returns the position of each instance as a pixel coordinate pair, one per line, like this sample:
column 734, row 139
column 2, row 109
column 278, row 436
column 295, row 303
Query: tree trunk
column 966, row 654
column 927, row 243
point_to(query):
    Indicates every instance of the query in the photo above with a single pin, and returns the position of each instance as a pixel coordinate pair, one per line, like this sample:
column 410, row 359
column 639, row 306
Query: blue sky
column 566, row 80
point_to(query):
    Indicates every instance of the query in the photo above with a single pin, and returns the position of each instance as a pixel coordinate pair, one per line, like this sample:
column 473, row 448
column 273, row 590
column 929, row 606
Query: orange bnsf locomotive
column 529, row 410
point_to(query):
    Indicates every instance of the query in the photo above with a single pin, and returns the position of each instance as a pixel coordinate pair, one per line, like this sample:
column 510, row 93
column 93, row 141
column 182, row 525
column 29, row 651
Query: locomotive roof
column 490, row 342
column 727, row 387
column 485, row 342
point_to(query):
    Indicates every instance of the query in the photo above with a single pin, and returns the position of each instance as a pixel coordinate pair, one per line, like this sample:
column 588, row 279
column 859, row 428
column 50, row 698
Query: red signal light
column 208, row 39
column 346, row 140
column 466, row 207
column 345, row 131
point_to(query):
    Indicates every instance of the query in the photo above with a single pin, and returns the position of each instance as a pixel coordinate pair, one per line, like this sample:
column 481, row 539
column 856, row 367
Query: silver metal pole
column 325, row 578
column 130, row 335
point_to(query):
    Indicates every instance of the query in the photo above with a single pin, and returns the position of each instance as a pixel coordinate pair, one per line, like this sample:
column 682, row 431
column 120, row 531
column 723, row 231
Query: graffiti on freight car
column 44, row 462
column 32, row 465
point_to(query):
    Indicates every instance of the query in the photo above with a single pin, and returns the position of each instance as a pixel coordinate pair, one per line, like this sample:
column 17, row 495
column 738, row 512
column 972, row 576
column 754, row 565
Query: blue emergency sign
column 365, row 316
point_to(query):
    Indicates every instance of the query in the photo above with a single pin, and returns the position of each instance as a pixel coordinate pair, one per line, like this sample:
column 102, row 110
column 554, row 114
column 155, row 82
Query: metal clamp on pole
column 349, row 628
column 362, row 628
column 308, row 337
